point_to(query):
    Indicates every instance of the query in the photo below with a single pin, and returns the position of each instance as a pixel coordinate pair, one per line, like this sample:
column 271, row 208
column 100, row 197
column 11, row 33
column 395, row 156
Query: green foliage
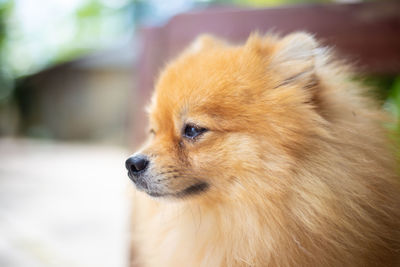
column 87, row 31
column 95, row 25
column 387, row 90
column 393, row 99
column 393, row 105
column 90, row 9
column 5, row 77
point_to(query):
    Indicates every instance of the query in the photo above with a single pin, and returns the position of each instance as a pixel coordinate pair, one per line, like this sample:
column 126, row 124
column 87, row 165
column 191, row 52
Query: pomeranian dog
column 264, row 154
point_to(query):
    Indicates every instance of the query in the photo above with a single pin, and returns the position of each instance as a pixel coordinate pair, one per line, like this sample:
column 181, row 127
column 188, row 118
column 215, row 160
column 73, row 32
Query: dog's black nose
column 136, row 164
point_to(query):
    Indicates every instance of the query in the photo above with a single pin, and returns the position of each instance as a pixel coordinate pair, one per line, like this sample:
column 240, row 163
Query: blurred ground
column 62, row 205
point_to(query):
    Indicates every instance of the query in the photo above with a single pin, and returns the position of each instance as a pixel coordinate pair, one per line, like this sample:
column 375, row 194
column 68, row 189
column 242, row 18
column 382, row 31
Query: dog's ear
column 260, row 45
column 203, row 42
column 294, row 59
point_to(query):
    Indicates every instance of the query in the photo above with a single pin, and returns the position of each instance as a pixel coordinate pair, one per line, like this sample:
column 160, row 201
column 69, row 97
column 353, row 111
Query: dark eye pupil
column 192, row 131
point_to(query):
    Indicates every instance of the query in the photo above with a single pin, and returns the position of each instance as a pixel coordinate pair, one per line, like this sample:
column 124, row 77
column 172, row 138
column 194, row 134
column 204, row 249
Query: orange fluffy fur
column 299, row 168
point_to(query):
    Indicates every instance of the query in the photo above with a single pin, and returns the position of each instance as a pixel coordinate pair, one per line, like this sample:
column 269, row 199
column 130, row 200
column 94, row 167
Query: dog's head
column 225, row 118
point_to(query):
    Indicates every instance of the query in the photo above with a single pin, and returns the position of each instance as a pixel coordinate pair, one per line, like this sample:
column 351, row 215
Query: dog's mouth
column 152, row 186
column 194, row 189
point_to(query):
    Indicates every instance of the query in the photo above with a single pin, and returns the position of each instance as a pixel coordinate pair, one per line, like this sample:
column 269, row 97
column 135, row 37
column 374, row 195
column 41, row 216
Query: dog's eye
column 192, row 131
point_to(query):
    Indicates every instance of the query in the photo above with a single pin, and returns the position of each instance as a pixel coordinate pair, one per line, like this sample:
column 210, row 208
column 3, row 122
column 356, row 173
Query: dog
column 264, row 154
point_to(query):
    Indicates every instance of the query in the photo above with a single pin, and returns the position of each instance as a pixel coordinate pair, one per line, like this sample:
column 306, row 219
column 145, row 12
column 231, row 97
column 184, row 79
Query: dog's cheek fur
column 232, row 173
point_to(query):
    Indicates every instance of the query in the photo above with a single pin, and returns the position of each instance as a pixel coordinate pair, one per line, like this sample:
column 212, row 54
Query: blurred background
column 74, row 77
